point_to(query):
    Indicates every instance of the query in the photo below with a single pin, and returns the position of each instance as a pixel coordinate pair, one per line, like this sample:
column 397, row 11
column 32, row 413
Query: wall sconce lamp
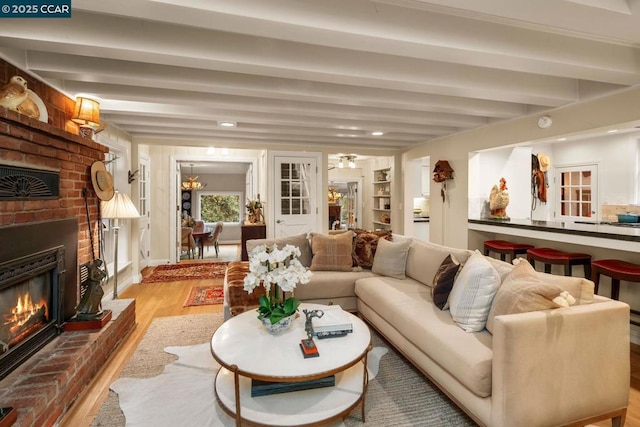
column 87, row 115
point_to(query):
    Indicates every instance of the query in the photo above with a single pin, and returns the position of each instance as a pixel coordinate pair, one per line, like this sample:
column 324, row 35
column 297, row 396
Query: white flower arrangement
column 276, row 268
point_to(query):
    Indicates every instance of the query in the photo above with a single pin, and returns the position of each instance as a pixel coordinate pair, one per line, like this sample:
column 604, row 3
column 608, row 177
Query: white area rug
column 186, row 387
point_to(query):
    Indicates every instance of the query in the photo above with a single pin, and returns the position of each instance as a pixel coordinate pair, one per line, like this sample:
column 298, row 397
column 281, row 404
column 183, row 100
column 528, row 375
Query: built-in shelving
column 382, row 198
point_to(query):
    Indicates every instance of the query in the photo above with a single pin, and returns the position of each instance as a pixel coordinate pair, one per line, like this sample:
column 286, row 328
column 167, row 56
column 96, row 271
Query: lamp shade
column 86, row 112
column 119, row 207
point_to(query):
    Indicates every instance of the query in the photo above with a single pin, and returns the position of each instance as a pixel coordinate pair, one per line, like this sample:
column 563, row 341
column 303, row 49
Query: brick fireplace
column 44, row 385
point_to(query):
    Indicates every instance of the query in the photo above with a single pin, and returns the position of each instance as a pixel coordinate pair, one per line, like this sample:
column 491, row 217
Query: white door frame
column 270, row 201
column 144, row 175
column 174, row 220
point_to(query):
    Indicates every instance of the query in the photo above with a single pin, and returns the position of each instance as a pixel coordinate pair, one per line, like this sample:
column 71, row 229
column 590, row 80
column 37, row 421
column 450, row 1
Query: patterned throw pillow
column 331, row 253
column 472, row 294
column 443, row 281
column 365, row 244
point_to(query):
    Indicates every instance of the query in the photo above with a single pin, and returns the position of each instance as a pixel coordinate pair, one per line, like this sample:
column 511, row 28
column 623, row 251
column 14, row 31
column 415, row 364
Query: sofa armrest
column 553, row 367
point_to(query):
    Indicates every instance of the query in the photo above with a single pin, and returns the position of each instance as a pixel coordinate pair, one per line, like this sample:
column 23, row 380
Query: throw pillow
column 443, row 281
column 391, row 258
column 299, row 240
column 472, row 293
column 365, row 244
column 524, row 290
column 331, row 253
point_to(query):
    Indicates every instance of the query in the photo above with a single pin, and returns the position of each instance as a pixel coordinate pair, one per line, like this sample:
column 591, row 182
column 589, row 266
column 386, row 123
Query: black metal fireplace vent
column 19, row 183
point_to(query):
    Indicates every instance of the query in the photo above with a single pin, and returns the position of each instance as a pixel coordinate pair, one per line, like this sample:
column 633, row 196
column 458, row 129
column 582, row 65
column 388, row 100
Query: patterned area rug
column 182, row 271
column 205, row 295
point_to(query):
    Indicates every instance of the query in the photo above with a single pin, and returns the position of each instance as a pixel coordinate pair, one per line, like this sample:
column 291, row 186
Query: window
column 220, row 206
column 577, row 198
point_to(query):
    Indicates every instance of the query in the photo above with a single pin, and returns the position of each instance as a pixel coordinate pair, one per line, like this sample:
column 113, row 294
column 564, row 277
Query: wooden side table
column 249, row 232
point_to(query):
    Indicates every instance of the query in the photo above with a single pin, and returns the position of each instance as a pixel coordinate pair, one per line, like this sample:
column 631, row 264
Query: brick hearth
column 44, row 388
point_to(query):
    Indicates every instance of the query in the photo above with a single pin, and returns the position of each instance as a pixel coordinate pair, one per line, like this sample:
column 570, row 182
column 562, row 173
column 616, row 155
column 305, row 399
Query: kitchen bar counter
column 589, row 234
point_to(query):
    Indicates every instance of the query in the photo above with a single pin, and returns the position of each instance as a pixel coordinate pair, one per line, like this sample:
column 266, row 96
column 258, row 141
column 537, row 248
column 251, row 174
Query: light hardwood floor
column 166, row 299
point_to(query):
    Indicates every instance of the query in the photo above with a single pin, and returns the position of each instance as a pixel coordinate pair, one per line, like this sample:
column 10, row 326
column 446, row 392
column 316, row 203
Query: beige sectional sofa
column 554, row 367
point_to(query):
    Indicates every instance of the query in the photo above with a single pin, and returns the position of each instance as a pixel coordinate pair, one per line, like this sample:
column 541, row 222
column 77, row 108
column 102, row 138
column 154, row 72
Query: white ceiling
column 328, row 72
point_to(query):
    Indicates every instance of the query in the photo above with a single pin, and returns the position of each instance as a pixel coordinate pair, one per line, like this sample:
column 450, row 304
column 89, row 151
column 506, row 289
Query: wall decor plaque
column 21, row 183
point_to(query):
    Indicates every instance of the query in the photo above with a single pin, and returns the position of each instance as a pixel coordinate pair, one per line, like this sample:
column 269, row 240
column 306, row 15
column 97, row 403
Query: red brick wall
column 59, row 106
column 34, row 144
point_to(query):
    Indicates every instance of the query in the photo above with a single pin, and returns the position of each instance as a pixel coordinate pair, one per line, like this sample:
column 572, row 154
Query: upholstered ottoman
column 236, row 299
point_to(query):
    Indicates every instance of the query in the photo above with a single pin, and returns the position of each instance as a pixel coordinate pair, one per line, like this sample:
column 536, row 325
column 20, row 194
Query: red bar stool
column 552, row 256
column 617, row 270
column 505, row 248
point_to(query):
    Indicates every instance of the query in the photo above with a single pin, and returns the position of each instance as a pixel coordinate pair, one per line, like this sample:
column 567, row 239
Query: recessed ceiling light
column 377, row 133
column 612, row 131
column 562, row 139
column 227, row 124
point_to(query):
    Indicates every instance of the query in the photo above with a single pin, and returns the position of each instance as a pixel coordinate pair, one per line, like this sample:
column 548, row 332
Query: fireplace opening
column 31, row 295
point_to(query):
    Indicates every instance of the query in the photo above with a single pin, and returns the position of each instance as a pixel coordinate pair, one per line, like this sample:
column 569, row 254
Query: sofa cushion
column 391, row 258
column 299, row 240
column 523, row 290
column 472, row 293
column 443, row 281
column 581, row 289
column 331, row 253
column 365, row 244
column 424, row 259
column 330, row 284
column 407, row 306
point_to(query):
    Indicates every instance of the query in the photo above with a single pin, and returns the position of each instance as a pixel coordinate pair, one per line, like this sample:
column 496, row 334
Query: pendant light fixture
column 192, row 182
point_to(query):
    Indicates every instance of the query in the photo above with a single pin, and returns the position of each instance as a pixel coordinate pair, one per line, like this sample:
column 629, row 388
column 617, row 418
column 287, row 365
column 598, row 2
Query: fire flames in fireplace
column 25, row 318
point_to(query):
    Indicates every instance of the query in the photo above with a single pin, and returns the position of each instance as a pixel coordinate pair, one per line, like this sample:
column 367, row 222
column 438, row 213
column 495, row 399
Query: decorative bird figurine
column 14, row 93
column 499, row 200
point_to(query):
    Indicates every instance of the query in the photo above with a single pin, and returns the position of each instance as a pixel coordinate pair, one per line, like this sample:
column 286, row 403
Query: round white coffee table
column 245, row 351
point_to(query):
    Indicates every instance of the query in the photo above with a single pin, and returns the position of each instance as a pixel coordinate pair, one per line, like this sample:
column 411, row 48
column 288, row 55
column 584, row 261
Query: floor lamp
column 119, row 207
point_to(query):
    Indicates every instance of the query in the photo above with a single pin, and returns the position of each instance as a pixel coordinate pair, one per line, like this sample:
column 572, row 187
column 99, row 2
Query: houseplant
column 279, row 271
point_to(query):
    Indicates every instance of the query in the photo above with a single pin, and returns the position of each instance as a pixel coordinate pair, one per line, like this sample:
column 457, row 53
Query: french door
column 296, row 206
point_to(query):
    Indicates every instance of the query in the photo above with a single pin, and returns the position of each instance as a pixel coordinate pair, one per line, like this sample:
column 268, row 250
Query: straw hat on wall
column 102, row 181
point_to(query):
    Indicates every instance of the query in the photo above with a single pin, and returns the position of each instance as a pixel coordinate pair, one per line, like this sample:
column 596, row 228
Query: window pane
column 220, row 207
column 285, row 208
column 306, row 206
column 575, row 178
column 295, row 171
column 285, row 188
column 284, row 171
column 295, row 206
column 295, row 189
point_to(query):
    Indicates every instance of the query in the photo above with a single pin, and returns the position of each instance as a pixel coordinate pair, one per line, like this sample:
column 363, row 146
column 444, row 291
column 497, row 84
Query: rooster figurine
column 499, row 200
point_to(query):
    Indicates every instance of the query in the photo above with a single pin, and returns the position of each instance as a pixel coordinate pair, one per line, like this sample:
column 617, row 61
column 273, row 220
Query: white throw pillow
column 472, row 294
column 391, row 258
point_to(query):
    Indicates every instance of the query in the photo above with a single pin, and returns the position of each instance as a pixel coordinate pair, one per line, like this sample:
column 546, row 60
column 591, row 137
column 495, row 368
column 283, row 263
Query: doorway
column 345, row 204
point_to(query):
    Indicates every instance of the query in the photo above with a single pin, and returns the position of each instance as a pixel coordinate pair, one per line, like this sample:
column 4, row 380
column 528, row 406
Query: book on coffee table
column 265, row 388
column 334, row 320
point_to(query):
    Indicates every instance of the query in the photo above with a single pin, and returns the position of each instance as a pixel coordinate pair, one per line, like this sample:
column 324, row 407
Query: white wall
column 449, row 219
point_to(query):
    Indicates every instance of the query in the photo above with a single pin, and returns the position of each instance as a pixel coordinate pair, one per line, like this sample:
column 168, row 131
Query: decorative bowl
column 279, row 327
column 628, row 217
